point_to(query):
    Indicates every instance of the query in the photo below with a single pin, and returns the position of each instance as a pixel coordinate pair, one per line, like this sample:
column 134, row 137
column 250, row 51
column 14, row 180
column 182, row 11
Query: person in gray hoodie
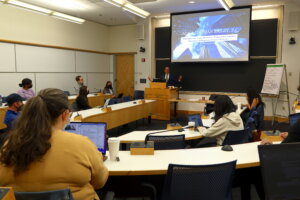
column 226, row 119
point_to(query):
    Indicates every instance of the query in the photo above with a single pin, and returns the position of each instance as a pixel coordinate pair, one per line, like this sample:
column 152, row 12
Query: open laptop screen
column 95, row 131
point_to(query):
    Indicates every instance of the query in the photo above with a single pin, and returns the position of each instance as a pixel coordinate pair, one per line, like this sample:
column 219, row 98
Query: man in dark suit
column 170, row 79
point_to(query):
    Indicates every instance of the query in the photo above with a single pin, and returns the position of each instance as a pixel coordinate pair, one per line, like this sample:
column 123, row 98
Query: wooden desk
column 94, row 100
column 139, row 136
column 176, row 101
column 129, row 165
column 296, row 107
column 275, row 138
column 191, row 101
column 3, row 110
column 162, row 110
column 120, row 114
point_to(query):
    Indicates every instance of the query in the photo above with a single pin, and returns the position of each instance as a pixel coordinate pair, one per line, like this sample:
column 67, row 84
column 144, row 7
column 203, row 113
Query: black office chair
column 195, row 118
column 67, row 93
column 237, row 137
column 138, row 94
column 167, row 142
column 280, row 169
column 126, row 98
column 4, row 99
column 293, row 118
column 194, row 182
column 112, row 101
column 64, row 194
column 74, row 107
column 119, row 100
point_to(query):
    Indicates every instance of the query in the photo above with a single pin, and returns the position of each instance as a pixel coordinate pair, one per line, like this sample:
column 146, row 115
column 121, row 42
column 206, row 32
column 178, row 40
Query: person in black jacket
column 255, row 103
column 82, row 100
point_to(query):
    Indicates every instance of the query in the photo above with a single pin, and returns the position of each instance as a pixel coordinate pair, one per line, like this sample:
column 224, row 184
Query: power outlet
column 290, row 73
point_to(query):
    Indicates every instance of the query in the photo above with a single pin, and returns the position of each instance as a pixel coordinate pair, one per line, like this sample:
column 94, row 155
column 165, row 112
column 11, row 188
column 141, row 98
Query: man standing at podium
column 169, row 78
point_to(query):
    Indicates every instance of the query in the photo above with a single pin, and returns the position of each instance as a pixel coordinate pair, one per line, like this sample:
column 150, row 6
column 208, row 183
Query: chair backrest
column 280, row 168
column 67, row 93
column 4, row 99
column 293, row 118
column 138, row 94
column 74, row 107
column 126, row 98
column 194, row 182
column 64, row 194
column 195, row 118
column 112, row 101
column 237, row 137
column 167, row 142
column 119, row 100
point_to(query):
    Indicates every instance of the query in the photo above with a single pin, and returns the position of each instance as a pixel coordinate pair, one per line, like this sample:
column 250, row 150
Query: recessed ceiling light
column 192, row 2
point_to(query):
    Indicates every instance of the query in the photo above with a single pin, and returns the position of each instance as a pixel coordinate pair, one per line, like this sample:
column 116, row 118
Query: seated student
column 226, row 119
column 108, row 89
column 26, row 91
column 255, row 103
column 82, row 100
column 40, row 156
column 15, row 104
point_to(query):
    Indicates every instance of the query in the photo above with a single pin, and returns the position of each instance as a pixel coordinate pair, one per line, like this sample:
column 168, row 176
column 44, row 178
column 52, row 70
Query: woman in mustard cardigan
column 39, row 156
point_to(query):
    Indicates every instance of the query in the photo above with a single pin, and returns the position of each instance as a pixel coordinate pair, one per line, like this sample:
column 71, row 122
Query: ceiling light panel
column 29, row 6
column 68, row 4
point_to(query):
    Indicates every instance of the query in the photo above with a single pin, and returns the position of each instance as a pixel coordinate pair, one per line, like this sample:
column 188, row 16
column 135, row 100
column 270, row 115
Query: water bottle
column 0, row 100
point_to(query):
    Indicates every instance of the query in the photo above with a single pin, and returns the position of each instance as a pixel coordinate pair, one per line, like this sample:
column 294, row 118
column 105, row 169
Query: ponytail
column 30, row 139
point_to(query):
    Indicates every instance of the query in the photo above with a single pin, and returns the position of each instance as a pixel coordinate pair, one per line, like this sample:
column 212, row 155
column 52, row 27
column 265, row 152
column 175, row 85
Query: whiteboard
column 7, row 57
column 42, row 59
column 10, row 82
column 97, row 81
column 92, row 62
column 63, row 81
column 273, row 79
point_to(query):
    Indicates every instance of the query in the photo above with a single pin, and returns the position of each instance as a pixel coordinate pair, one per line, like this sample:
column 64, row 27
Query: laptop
column 158, row 80
column 95, row 131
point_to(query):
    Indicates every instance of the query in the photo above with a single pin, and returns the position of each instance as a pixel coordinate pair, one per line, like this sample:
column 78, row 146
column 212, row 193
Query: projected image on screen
column 211, row 36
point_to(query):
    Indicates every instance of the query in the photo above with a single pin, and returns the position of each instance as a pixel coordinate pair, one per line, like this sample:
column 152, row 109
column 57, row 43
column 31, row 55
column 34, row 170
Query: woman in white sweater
column 226, row 119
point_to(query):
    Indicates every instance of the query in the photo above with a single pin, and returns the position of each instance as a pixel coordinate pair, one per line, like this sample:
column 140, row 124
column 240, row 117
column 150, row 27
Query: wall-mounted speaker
column 140, row 32
column 294, row 21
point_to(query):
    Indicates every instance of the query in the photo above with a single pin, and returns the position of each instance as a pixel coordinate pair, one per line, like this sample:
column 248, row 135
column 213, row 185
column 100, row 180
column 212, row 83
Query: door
column 125, row 74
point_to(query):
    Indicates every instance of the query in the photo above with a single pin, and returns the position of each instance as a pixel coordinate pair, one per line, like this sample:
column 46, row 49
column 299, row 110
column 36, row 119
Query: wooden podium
column 162, row 94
